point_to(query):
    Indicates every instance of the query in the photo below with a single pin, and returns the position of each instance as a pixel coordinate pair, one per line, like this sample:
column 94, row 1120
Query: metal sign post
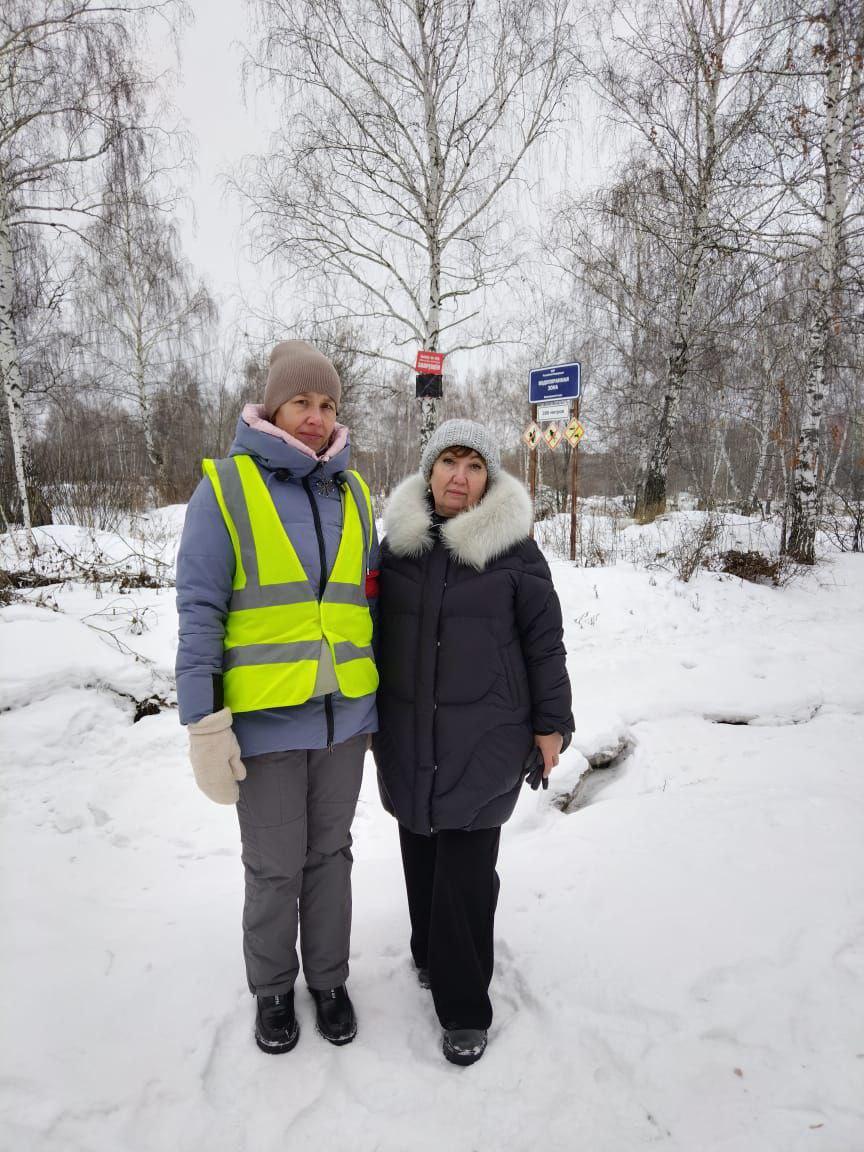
column 532, row 474
column 574, row 487
column 551, row 392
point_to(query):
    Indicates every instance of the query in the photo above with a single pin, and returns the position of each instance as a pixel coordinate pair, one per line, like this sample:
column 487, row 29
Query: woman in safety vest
column 474, row 698
column 276, row 680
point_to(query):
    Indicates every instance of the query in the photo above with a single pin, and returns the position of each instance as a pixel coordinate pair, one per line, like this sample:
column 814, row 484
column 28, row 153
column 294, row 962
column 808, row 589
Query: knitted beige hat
column 295, row 367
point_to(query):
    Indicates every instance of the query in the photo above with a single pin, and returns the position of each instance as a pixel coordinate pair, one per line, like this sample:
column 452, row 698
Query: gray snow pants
column 295, row 813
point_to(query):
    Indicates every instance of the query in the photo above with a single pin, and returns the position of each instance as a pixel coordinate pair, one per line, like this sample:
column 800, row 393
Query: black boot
column 276, row 1027
column 334, row 1015
column 464, row 1045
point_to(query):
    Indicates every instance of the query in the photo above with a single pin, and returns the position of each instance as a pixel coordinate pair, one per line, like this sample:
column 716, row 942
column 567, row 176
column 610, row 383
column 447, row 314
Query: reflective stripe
column 345, row 651
column 271, row 595
column 345, row 594
column 235, row 501
column 364, row 505
column 276, row 628
column 258, row 686
column 270, row 653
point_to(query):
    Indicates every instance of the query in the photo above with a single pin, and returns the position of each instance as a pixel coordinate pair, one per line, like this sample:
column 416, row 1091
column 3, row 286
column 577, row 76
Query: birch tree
column 683, row 82
column 403, row 124
column 820, row 165
column 68, row 83
column 143, row 309
column 610, row 247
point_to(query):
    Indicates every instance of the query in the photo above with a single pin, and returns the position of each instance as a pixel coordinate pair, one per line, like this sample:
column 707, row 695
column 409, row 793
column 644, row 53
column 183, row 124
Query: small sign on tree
column 429, row 363
column 429, row 380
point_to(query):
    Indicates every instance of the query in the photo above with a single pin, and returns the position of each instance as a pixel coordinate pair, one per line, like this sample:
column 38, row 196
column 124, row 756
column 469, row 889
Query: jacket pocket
column 515, row 674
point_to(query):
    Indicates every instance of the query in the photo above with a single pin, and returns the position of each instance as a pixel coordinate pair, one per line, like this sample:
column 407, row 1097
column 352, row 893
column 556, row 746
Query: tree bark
column 10, row 370
column 429, row 404
column 651, row 494
column 842, row 113
column 751, row 504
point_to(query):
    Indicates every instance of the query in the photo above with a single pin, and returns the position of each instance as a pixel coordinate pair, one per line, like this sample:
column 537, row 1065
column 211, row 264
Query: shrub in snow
column 755, row 566
column 693, row 544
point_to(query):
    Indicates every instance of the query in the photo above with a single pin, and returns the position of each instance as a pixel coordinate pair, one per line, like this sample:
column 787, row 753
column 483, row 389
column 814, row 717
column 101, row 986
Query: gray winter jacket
column 295, row 479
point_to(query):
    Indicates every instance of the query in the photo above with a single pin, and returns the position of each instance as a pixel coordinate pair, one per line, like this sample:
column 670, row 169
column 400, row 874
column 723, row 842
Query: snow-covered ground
column 680, row 958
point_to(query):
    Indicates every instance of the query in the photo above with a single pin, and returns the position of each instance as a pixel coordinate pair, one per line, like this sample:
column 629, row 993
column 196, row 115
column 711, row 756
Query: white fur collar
column 489, row 529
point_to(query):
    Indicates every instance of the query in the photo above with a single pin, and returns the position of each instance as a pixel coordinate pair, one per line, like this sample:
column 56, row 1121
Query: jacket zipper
column 322, row 584
column 435, row 680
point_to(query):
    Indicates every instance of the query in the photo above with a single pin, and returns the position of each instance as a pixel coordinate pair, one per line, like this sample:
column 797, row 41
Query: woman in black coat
column 473, row 679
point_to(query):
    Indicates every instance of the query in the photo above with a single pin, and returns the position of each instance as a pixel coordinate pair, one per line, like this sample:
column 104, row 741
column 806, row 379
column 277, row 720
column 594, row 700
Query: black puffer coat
column 471, row 658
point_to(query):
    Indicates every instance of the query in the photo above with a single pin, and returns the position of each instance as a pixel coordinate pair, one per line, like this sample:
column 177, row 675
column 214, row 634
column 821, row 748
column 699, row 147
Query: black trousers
column 452, row 890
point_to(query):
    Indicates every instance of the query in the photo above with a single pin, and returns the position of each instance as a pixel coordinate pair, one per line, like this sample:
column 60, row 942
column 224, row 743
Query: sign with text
column 553, row 410
column 557, row 382
column 429, row 363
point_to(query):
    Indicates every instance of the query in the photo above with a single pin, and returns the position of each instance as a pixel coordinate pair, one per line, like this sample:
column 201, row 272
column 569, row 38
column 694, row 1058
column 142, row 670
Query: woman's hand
column 550, row 749
column 215, row 756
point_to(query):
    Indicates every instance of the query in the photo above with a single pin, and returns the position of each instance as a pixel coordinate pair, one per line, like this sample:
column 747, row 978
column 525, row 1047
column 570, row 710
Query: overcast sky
column 211, row 102
column 227, row 124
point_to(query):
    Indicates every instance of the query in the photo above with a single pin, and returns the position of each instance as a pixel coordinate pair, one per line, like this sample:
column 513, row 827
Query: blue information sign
column 558, row 382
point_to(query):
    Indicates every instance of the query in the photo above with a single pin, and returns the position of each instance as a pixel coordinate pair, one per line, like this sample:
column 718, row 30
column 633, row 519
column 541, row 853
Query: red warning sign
column 429, row 363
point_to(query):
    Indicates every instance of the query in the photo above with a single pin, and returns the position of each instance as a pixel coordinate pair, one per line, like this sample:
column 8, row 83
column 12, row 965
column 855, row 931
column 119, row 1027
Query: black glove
column 532, row 769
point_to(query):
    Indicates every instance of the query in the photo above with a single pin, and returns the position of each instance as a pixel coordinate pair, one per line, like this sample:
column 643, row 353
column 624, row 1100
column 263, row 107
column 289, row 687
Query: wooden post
column 574, row 490
column 532, row 472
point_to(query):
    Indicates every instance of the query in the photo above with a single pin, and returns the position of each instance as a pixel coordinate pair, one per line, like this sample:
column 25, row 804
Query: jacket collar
column 275, row 449
column 486, row 531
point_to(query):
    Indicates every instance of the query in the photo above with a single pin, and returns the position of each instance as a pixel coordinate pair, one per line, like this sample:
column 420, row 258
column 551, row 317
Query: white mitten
column 215, row 756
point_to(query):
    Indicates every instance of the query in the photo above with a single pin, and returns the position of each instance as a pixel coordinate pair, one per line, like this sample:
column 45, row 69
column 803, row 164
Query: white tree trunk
column 429, row 404
column 804, row 482
column 841, row 448
column 764, row 445
column 651, row 496
column 432, row 217
column 851, row 423
column 721, row 457
column 842, row 112
column 718, row 461
column 154, row 455
column 13, row 389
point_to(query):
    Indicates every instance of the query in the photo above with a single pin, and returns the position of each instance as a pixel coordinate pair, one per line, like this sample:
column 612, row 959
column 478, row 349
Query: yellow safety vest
column 275, row 621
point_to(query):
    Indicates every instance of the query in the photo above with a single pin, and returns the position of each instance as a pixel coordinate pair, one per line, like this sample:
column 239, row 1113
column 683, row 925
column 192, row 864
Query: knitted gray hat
column 295, row 367
column 463, row 434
